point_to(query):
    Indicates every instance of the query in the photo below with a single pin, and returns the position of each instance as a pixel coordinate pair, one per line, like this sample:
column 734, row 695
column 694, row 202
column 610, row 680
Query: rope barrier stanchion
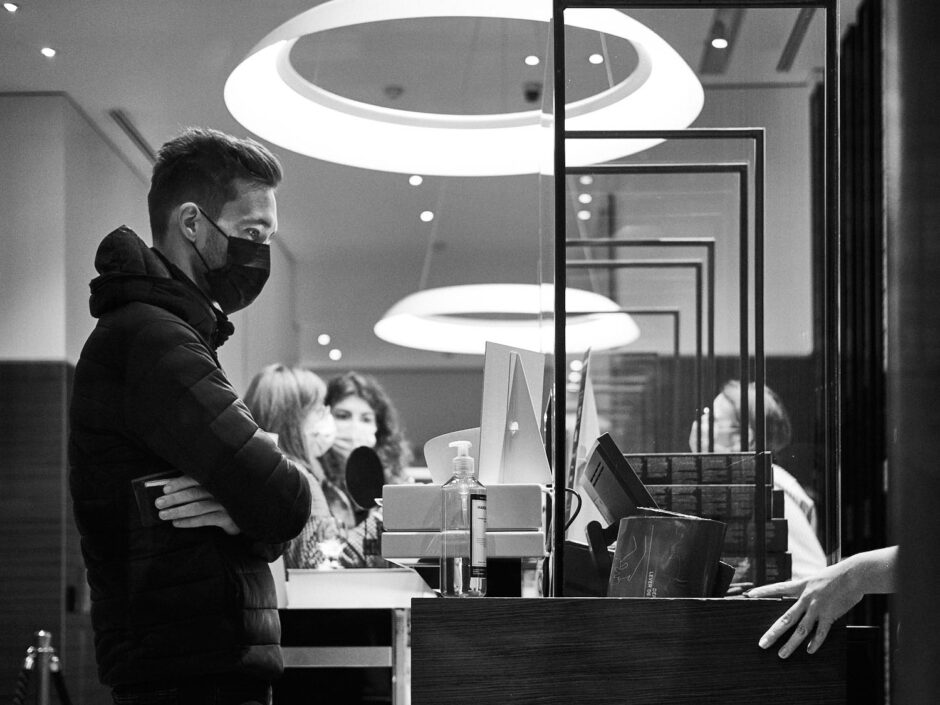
column 44, row 656
column 55, row 667
column 22, row 679
column 41, row 658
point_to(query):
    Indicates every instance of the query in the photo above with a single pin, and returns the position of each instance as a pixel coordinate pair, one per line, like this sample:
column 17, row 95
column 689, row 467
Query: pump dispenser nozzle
column 463, row 461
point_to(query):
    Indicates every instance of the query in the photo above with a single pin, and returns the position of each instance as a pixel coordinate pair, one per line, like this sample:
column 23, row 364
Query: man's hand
column 188, row 504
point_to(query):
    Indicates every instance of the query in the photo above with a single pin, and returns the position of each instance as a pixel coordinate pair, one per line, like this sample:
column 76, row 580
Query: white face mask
column 355, row 424
column 319, row 433
column 363, row 436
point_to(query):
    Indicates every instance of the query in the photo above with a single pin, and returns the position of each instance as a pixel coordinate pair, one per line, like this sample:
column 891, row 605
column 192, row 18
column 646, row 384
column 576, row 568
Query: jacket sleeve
column 269, row 552
column 178, row 402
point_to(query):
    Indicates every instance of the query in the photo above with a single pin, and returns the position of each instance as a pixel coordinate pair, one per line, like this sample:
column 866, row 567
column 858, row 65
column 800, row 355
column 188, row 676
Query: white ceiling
column 164, row 62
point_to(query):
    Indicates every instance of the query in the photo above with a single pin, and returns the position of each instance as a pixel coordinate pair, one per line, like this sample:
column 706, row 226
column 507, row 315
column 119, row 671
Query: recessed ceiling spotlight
column 720, row 35
column 585, row 179
column 532, row 60
column 10, row 6
column 415, row 180
column 596, row 59
column 336, row 354
column 584, row 215
column 324, row 339
column 585, row 198
column 426, row 216
column 48, row 52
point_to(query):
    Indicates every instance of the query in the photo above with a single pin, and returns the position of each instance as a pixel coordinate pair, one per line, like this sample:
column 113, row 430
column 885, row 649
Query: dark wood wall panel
column 864, row 522
column 864, row 503
column 32, row 477
column 913, row 171
column 42, row 576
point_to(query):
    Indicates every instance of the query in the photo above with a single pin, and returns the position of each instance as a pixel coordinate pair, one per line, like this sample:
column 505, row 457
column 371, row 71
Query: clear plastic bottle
column 463, row 529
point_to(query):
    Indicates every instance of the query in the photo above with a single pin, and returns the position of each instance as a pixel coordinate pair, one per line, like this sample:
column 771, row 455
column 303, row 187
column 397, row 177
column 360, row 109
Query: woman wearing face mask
column 364, row 416
column 289, row 402
column 799, row 508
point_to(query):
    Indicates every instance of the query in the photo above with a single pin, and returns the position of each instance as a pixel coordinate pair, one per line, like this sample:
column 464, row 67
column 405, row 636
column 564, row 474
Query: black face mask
column 239, row 281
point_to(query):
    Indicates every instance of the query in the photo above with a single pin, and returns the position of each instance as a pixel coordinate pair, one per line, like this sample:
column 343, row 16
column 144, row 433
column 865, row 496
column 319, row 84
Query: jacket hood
column 130, row 272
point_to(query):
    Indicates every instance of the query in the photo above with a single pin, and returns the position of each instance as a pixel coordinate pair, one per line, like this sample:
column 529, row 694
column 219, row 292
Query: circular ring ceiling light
column 269, row 97
column 461, row 319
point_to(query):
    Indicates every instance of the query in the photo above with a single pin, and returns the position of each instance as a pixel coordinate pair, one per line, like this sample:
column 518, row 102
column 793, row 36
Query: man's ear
column 187, row 220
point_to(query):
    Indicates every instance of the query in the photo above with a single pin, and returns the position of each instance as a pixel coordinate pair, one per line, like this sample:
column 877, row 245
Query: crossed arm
column 826, row 596
column 180, row 405
column 188, row 504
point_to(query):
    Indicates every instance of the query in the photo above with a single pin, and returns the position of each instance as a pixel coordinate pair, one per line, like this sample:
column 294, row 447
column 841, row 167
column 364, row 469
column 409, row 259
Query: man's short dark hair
column 202, row 165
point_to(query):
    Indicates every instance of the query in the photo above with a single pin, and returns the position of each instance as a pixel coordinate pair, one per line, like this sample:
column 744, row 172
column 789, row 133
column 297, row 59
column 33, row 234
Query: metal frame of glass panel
column 831, row 186
column 740, row 169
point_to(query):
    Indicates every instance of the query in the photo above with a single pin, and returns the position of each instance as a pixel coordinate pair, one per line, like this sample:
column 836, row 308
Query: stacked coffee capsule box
column 723, row 486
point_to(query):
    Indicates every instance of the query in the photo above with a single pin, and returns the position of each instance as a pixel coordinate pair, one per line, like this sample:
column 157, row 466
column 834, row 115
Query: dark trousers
column 220, row 689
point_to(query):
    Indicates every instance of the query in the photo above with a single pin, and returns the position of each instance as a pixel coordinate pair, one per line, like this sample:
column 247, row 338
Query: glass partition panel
column 692, row 185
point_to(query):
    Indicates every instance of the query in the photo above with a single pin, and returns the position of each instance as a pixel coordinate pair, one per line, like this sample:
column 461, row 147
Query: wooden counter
column 636, row 651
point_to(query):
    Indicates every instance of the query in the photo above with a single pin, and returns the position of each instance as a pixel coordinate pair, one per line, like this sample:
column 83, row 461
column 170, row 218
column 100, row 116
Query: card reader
column 611, row 482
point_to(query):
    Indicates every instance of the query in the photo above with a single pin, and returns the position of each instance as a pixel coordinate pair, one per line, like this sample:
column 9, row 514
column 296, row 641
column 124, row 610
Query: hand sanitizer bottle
column 463, row 529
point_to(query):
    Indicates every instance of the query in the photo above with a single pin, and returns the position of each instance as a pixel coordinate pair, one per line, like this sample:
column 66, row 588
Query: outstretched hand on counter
column 826, row 596
column 189, row 505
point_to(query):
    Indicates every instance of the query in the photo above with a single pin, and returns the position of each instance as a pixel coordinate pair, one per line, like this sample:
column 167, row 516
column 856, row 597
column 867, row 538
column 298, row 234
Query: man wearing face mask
column 183, row 602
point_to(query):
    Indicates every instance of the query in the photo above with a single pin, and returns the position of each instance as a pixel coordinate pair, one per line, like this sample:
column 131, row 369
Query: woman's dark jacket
column 149, row 396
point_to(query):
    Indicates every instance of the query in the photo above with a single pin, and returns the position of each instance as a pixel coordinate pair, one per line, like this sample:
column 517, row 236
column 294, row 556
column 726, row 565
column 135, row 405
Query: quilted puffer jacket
column 149, row 396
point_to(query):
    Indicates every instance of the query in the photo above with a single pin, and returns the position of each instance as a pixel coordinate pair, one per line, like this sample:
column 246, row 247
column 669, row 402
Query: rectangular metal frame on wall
column 756, row 136
column 830, row 312
column 694, row 264
column 740, row 169
column 675, row 314
column 671, row 312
